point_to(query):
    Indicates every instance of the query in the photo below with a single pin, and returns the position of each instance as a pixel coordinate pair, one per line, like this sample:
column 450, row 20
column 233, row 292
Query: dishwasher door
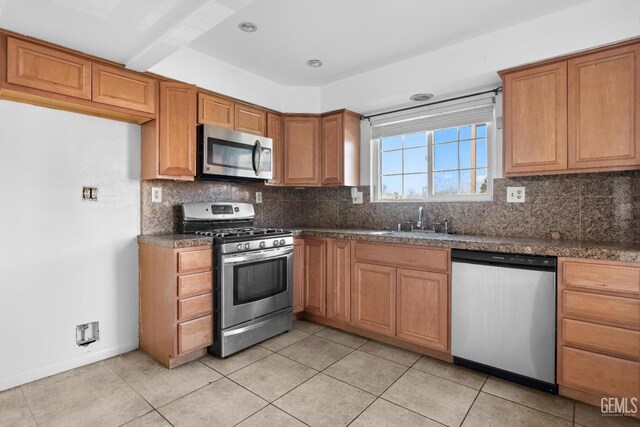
column 504, row 317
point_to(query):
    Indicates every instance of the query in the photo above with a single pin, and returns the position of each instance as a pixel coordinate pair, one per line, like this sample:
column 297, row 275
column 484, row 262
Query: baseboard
column 26, row 376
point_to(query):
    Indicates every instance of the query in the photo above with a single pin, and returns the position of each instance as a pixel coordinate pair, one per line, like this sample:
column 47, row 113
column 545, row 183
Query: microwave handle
column 257, row 152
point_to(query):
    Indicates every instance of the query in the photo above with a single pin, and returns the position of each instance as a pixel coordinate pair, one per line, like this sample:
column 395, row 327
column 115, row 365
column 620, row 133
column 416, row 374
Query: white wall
column 64, row 261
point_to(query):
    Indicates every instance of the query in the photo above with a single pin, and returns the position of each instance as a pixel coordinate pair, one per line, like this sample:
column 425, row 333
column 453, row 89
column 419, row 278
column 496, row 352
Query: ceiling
column 349, row 36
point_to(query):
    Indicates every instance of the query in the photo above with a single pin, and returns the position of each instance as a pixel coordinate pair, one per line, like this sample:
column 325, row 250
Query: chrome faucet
column 420, row 222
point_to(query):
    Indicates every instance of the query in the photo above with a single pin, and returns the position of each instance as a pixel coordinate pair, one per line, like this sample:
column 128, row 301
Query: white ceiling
column 349, row 36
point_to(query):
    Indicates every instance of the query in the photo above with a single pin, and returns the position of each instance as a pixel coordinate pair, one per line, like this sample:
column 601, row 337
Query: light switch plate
column 515, row 195
column 156, row 195
column 258, row 196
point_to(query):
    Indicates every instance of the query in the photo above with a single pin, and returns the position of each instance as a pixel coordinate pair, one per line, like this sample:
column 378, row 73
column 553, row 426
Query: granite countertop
column 628, row 252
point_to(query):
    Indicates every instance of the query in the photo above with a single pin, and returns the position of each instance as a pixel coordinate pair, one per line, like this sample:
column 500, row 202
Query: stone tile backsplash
column 596, row 207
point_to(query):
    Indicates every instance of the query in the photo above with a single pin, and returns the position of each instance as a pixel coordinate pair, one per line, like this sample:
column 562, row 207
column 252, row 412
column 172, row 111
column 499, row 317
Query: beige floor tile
column 451, row 372
column 222, row 403
column 549, row 403
column 236, row 361
column 324, row 401
column 308, row 327
column 152, row 419
column 315, row 352
column 14, row 410
column 132, row 364
column 163, row 385
column 436, row 398
column 489, row 410
column 87, row 396
column 344, row 338
column 283, row 340
column 590, row 416
column 386, row 414
column 390, row 352
column 271, row 416
column 367, row 372
column 272, row 376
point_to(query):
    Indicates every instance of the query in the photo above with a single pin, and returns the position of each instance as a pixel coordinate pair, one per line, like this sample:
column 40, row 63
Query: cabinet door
column 250, row 119
column 339, row 280
column 39, row 67
column 315, row 274
column 604, row 103
column 535, row 120
column 274, row 131
column 298, row 275
column 177, row 141
column 122, row 88
column 373, row 298
column 302, row 150
column 423, row 308
column 216, row 111
column 332, row 150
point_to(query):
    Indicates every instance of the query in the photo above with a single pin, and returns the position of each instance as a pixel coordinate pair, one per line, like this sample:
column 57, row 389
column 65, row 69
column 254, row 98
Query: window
column 450, row 160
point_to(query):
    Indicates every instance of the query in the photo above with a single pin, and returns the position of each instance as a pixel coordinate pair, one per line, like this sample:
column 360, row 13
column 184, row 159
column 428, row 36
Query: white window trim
column 492, row 170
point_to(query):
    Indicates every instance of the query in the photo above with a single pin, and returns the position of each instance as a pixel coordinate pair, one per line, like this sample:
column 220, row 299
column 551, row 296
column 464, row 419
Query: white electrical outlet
column 515, row 195
column 156, row 195
column 357, row 199
column 258, row 196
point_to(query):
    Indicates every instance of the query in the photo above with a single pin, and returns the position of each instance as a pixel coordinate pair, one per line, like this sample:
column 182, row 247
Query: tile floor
column 311, row 375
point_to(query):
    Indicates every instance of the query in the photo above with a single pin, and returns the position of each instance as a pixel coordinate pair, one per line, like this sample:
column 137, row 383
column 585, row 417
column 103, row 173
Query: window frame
column 376, row 177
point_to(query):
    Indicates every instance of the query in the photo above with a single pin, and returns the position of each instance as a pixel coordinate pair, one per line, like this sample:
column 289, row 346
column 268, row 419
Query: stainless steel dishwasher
column 503, row 316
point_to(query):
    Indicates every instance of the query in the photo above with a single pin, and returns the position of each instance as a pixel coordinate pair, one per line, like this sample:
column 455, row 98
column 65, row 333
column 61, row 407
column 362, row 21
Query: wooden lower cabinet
column 339, row 280
column 315, row 276
column 298, row 275
column 423, row 308
column 176, row 308
column 373, row 298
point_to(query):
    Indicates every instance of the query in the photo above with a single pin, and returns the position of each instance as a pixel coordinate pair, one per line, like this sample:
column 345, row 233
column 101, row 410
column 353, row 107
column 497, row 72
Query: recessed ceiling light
column 248, row 27
column 315, row 63
column 421, row 97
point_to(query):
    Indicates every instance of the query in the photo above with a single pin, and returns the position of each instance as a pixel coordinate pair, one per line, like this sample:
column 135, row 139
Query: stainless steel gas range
column 253, row 274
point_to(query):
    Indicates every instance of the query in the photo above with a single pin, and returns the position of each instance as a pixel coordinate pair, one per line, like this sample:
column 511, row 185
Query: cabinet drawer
column 194, row 284
column 601, row 276
column 607, row 339
column 414, row 257
column 194, row 261
column 602, row 307
column 601, row 374
column 189, row 308
column 121, row 88
column 195, row 334
column 39, row 67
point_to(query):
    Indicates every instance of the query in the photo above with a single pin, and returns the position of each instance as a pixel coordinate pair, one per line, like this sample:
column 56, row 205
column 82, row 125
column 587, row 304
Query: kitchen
column 227, row 219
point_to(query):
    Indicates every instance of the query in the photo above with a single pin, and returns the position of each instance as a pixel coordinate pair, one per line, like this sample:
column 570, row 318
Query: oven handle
column 261, row 256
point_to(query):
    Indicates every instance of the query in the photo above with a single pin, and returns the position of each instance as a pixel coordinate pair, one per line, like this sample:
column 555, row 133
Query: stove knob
column 247, row 246
column 239, row 247
column 281, row 242
column 262, row 245
column 275, row 242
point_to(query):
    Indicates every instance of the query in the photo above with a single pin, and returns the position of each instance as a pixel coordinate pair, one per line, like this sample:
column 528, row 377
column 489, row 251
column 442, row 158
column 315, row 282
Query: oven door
column 255, row 284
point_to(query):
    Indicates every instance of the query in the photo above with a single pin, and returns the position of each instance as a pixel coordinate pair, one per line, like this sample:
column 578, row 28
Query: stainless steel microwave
column 227, row 154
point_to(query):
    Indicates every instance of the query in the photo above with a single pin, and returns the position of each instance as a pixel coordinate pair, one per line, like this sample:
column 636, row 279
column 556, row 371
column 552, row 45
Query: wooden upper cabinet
column 302, row 150
column 250, row 119
column 339, row 280
column 373, row 298
column 177, row 138
column 216, row 111
column 604, row 109
column 535, row 120
column 341, row 149
column 274, row 131
column 122, row 88
column 423, row 308
column 298, row 275
column 315, row 276
column 38, row 67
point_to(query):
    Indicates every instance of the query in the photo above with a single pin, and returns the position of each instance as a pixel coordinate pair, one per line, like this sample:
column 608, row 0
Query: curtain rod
column 494, row 91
